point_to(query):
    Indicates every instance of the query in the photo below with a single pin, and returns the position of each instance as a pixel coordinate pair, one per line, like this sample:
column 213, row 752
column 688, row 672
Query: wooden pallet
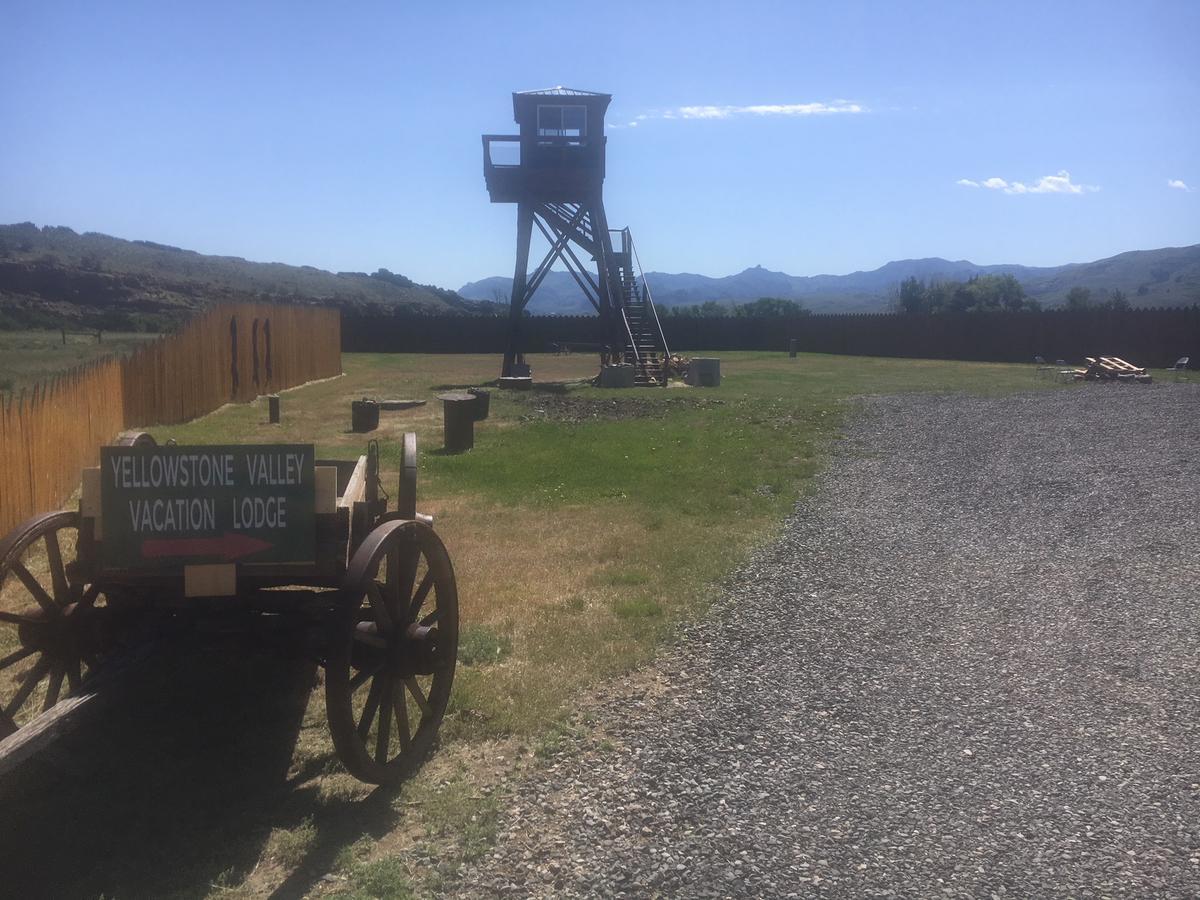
column 1109, row 368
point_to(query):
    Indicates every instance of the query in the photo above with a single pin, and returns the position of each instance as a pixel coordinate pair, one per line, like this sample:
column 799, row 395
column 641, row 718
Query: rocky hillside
column 53, row 275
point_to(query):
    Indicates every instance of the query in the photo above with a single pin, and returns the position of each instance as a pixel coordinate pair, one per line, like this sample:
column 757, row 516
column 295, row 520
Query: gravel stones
column 970, row 666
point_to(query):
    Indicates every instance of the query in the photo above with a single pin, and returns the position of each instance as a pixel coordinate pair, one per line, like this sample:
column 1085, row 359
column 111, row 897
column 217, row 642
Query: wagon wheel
column 406, row 497
column 52, row 630
column 393, row 647
column 135, row 439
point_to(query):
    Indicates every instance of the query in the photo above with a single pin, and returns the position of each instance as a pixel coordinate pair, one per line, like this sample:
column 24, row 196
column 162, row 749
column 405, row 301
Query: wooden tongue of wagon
column 170, row 533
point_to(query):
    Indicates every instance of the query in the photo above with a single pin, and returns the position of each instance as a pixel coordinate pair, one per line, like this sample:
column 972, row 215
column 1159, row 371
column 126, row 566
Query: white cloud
column 759, row 109
column 1047, row 184
column 1178, row 185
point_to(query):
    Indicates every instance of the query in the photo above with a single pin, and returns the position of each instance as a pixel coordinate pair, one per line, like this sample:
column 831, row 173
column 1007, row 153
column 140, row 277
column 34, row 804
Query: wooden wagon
column 313, row 545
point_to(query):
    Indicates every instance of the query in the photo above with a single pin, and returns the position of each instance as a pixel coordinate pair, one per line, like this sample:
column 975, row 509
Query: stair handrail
column 621, row 306
column 649, row 297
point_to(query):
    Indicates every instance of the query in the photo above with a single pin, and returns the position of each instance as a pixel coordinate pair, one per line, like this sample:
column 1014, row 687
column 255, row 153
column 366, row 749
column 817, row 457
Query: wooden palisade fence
column 1150, row 337
column 230, row 353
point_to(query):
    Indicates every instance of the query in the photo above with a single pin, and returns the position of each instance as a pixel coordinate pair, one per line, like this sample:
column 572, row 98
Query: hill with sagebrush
column 53, row 276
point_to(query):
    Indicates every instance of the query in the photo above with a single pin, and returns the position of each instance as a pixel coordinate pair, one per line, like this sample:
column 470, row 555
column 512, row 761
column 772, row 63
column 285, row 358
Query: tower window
column 562, row 122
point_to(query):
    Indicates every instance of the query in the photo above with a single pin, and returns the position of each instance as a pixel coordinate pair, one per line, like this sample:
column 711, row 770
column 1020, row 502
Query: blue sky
column 808, row 138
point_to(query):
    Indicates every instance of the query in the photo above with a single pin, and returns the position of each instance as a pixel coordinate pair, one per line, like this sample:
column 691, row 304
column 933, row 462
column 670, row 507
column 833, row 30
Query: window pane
column 573, row 118
column 549, row 119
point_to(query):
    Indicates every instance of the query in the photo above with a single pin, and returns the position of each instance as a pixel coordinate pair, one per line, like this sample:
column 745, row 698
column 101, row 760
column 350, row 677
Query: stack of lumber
column 1110, row 368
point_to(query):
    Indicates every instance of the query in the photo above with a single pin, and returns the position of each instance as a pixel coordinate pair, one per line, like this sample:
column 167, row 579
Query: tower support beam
column 516, row 305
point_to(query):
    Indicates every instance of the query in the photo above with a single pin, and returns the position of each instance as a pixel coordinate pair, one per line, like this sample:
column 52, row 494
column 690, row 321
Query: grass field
column 584, row 526
column 26, row 357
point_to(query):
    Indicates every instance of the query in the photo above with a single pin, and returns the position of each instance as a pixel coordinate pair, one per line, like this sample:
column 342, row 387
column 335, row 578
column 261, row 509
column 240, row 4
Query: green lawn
column 578, row 543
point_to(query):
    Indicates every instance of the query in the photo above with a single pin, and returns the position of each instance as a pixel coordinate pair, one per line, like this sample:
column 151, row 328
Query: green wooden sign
column 166, row 507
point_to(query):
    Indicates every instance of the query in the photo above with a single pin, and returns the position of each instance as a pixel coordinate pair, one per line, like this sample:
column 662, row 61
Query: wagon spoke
column 16, row 656
column 415, row 690
column 380, row 607
column 393, row 578
column 384, row 733
column 430, row 619
column 368, row 714
column 73, row 679
column 419, row 597
column 34, row 587
column 58, row 574
column 17, row 619
column 7, row 725
column 32, row 677
column 409, row 560
column 401, row 716
column 55, row 686
column 357, row 681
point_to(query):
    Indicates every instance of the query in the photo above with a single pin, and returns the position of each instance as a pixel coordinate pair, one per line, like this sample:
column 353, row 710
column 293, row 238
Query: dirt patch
column 566, row 408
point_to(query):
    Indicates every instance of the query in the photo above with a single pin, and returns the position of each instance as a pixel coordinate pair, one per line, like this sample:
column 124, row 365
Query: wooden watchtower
column 556, row 178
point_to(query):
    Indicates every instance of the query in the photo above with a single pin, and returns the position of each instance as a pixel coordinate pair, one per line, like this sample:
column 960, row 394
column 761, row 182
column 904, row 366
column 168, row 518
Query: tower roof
column 524, row 102
column 560, row 91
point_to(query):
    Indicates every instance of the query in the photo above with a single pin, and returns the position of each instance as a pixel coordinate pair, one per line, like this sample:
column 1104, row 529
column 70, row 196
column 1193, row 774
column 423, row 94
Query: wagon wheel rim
column 46, row 618
column 406, row 497
column 393, row 649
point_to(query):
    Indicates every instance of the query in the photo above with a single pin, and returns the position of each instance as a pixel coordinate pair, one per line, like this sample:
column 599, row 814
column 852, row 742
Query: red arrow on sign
column 229, row 546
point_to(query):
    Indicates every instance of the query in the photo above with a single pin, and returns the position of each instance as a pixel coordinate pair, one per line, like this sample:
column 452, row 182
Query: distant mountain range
column 1166, row 277
column 52, row 274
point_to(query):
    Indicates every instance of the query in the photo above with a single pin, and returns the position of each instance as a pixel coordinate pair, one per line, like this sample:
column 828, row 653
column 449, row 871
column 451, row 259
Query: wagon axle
column 74, row 632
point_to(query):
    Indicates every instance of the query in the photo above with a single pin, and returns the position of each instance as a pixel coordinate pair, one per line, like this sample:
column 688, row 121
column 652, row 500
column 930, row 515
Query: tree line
column 763, row 307
column 990, row 293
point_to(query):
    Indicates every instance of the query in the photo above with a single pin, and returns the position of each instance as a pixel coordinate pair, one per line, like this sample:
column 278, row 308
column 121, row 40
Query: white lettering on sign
column 274, row 468
column 179, row 514
column 260, row 512
column 177, row 470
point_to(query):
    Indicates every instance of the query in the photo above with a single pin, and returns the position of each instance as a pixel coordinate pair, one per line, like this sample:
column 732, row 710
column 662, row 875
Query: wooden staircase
column 645, row 346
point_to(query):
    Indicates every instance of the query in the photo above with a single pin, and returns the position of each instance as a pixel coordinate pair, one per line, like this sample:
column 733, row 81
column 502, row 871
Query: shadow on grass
column 173, row 789
column 342, row 823
column 461, row 387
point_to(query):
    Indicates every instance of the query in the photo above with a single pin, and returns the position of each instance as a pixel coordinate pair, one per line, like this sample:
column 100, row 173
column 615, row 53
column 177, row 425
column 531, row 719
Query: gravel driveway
column 970, row 666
